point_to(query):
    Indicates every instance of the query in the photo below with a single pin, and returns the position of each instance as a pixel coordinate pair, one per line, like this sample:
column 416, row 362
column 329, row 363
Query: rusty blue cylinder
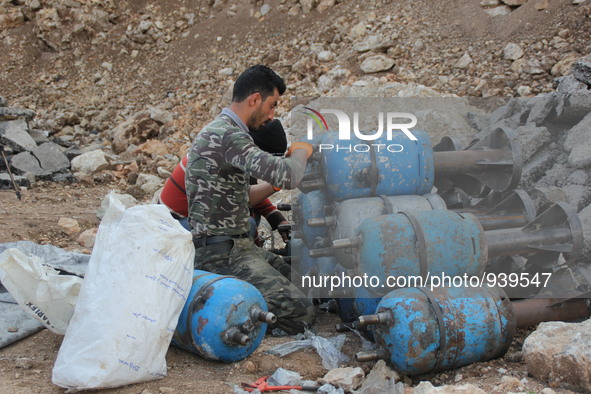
column 345, row 309
column 327, row 266
column 423, row 331
column 349, row 214
column 413, row 243
column 306, row 265
column 357, row 168
column 365, row 302
column 311, row 205
column 221, row 320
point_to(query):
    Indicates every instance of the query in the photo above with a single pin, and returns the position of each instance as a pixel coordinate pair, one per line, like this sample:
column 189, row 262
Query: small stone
column 498, row 11
column 87, row 238
column 512, row 51
column 12, row 329
column 325, row 56
column 226, row 71
column 541, row 5
column 324, row 5
column 69, row 226
column 164, row 390
column 514, row 3
column 523, row 91
column 265, row 9
column 348, row 378
column 376, row 64
column 464, row 61
column 490, row 3
column 24, row 363
column 249, row 366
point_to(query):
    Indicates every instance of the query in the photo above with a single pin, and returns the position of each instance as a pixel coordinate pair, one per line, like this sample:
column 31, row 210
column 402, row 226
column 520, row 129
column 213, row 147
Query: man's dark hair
column 257, row 79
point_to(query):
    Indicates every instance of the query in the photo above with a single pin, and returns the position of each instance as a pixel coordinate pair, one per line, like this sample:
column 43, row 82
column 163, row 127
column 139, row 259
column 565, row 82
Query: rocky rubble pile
column 169, row 55
column 553, row 130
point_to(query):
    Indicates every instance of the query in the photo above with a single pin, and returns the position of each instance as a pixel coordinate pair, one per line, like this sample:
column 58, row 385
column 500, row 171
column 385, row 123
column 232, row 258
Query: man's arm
column 259, row 192
column 286, row 172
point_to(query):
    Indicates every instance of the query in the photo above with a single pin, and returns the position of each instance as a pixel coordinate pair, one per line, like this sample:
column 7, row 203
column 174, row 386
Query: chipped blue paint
column 478, row 325
column 347, row 173
column 454, row 244
column 222, row 304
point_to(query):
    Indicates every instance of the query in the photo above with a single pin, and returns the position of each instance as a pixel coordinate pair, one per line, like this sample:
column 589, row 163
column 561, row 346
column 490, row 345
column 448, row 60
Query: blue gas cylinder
column 349, row 214
column 224, row 319
column 311, row 205
column 412, row 243
column 423, row 331
column 358, row 168
column 345, row 309
column 365, row 302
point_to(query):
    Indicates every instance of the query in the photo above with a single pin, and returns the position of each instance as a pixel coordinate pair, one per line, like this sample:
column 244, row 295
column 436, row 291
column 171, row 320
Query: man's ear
column 254, row 99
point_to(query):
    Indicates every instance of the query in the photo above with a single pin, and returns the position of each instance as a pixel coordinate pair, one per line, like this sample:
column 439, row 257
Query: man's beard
column 256, row 119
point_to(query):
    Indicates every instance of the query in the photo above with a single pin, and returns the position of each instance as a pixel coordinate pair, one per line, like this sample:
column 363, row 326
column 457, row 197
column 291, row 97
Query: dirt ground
column 26, row 366
column 65, row 86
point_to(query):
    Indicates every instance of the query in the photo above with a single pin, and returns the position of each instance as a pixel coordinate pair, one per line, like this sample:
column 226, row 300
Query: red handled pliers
column 262, row 385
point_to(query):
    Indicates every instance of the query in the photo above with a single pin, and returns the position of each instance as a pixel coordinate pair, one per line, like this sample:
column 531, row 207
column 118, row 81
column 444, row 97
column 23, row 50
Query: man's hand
column 284, row 230
column 300, row 145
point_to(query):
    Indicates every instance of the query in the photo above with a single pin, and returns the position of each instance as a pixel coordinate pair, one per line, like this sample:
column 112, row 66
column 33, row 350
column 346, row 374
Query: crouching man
column 221, row 160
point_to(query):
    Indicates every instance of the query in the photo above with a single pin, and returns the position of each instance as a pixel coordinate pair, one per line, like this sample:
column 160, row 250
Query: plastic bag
column 39, row 289
column 329, row 349
column 135, row 287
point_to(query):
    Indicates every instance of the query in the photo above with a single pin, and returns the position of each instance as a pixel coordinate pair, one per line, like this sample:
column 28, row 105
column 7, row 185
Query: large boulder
column 560, row 353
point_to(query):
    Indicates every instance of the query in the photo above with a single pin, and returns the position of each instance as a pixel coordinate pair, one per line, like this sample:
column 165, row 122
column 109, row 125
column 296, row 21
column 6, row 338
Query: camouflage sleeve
column 242, row 153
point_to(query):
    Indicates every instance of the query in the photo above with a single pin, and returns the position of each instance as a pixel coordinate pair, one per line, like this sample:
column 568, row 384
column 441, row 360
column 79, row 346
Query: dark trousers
column 265, row 271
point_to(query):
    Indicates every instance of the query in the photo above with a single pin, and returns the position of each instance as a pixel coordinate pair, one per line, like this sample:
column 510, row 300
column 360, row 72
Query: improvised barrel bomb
column 224, row 319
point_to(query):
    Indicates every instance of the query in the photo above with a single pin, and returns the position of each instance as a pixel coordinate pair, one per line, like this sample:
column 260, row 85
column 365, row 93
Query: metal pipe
column 371, row 355
column 258, row 314
column 234, row 335
column 556, row 230
column 308, row 186
column 322, row 222
column 509, row 242
column 322, row 252
column 16, row 189
column 378, row 318
column 352, row 242
column 516, row 210
column 468, row 161
column 494, row 161
column 536, row 310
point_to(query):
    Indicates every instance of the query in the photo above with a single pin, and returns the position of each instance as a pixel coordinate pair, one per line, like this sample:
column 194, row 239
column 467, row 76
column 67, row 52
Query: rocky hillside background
column 111, row 93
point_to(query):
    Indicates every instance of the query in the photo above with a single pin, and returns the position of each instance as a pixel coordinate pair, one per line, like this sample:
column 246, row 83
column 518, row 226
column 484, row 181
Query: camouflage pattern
column 265, row 271
column 221, row 159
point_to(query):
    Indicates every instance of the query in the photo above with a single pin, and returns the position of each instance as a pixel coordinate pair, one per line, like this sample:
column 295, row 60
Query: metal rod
column 371, row 355
column 345, row 243
column 556, row 230
column 378, row 318
column 493, row 222
column 263, row 316
column 534, row 311
column 233, row 335
column 469, row 161
column 507, row 242
column 322, row 222
column 516, row 210
column 16, row 189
